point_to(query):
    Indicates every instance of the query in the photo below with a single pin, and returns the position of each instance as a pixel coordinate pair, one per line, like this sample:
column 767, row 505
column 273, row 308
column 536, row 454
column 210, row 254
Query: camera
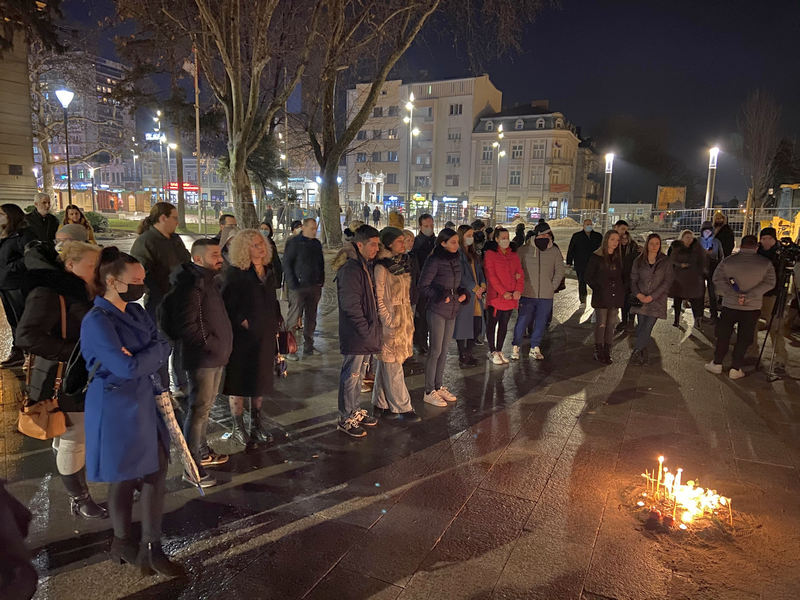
column 788, row 252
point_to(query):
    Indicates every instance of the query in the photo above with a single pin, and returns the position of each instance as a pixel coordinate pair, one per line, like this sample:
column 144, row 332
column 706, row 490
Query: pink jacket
column 503, row 274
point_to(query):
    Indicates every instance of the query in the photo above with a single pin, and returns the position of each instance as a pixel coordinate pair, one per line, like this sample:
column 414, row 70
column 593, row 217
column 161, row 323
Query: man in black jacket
column 581, row 247
column 226, row 221
column 197, row 317
column 768, row 247
column 423, row 246
column 41, row 223
column 304, row 269
column 359, row 326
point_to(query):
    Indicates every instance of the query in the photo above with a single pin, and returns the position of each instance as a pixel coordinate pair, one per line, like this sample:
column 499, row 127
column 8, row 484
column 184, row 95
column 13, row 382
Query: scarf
column 396, row 265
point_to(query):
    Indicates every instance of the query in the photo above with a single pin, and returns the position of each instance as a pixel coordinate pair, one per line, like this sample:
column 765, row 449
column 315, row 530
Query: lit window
column 519, row 124
column 391, row 156
column 391, row 134
column 489, row 126
column 361, row 157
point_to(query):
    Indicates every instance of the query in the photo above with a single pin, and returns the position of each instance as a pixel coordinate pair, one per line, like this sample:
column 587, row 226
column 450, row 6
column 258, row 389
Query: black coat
column 252, row 361
column 726, row 238
column 12, row 259
column 775, row 259
column 688, row 281
column 303, row 263
column 415, row 271
column 606, row 279
column 441, row 279
column 42, row 227
column 423, row 246
column 359, row 324
column 39, row 328
column 197, row 310
column 159, row 255
column 277, row 267
column 581, row 247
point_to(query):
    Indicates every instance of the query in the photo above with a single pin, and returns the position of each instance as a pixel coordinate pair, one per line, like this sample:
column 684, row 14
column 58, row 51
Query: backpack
column 165, row 314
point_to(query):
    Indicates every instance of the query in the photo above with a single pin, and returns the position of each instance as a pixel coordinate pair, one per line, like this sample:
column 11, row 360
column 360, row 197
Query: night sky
column 681, row 69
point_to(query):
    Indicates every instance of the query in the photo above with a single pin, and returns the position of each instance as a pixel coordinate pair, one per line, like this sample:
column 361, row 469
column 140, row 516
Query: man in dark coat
column 581, row 247
column 359, row 326
column 41, row 224
column 304, row 268
column 196, row 311
column 724, row 233
column 423, row 246
column 226, row 221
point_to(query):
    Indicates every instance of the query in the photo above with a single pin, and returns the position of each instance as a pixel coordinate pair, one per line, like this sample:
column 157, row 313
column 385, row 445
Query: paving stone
column 343, row 584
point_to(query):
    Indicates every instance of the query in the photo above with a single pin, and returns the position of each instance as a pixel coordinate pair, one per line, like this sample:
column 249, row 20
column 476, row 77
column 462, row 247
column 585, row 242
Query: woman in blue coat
column 126, row 440
column 469, row 320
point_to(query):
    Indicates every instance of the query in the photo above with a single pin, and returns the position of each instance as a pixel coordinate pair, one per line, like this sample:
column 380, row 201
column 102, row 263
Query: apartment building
column 431, row 168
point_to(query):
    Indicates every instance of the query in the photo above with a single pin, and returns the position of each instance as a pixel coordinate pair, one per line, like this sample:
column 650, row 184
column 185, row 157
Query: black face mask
column 541, row 243
column 134, row 292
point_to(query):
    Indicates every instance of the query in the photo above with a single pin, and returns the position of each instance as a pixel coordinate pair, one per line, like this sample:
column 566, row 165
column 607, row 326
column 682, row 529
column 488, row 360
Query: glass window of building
column 514, row 177
column 516, row 151
column 451, row 181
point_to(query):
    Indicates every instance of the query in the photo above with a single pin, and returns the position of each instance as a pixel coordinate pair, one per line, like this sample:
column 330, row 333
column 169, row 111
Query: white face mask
column 468, row 241
column 504, row 243
column 427, row 231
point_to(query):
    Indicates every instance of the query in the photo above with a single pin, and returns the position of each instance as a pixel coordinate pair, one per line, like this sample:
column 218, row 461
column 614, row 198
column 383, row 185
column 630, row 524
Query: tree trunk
column 329, row 202
column 181, row 195
column 48, row 179
column 243, row 206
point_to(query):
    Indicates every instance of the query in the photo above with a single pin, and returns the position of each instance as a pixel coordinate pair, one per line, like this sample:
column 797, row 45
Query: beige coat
column 394, row 310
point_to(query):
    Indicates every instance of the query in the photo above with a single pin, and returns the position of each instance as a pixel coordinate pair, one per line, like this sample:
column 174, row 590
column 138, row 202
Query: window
column 361, row 157
column 555, row 176
column 424, row 159
column 537, row 175
column 391, row 134
column 489, row 126
column 376, row 134
column 516, row 151
column 361, row 135
column 427, row 112
column 455, row 109
column 451, row 181
column 538, row 149
column 391, row 178
column 488, row 153
column 377, row 111
column 391, row 156
column 376, row 157
column 422, row 181
column 559, row 124
column 454, row 159
column 540, row 123
column 453, row 134
column 486, row 175
column 519, row 124
column 514, row 177
column 393, row 111
column 556, row 150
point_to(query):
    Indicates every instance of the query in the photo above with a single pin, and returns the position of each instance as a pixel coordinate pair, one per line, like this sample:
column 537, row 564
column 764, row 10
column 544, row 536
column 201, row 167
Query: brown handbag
column 44, row 420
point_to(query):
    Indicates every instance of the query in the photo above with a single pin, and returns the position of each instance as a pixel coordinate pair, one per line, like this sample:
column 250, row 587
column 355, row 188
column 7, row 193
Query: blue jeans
column 441, row 331
column 536, row 310
column 353, row 368
column 644, row 330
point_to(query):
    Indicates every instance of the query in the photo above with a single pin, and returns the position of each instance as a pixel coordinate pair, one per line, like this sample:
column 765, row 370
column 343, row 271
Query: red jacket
column 503, row 274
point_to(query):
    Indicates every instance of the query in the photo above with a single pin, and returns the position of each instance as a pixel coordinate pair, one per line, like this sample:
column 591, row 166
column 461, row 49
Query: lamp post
column 91, row 177
column 161, row 141
column 713, row 153
column 412, row 132
column 607, row 190
column 65, row 97
column 500, row 154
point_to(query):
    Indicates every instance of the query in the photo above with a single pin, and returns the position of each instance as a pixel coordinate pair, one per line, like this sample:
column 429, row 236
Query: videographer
column 769, row 247
column 742, row 279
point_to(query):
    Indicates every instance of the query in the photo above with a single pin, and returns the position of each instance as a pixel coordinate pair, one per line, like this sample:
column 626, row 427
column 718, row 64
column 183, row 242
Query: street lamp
column 607, row 189
column 713, row 153
column 412, row 132
column 161, row 141
column 500, row 154
column 135, row 174
column 65, row 97
column 171, row 146
column 91, row 177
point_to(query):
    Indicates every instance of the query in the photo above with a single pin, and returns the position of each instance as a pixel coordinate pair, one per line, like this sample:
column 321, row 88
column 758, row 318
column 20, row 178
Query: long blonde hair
column 239, row 250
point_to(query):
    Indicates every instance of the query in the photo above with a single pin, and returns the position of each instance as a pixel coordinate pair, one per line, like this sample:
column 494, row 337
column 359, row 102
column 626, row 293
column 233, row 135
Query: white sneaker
column 497, row 359
column 735, row 373
column 446, row 394
column 714, row 368
column 514, row 352
column 434, row 398
column 503, row 358
column 537, row 353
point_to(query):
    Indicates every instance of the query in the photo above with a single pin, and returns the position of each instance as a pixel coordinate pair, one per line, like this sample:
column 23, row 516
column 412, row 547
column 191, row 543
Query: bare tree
column 758, row 127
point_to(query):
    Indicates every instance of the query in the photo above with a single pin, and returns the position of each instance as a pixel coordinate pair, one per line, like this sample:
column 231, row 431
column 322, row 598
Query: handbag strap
column 60, row 368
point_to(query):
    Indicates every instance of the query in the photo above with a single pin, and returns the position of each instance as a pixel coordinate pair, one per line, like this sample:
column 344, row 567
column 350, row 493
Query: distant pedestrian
column 768, row 247
column 268, row 214
column 604, row 275
column 226, row 222
column 714, row 256
column 650, row 280
column 689, row 265
column 304, row 267
column 348, row 215
column 440, row 283
column 742, row 279
column 629, row 250
column 469, row 321
column 376, row 216
column 277, row 267
column 41, row 224
column 581, row 246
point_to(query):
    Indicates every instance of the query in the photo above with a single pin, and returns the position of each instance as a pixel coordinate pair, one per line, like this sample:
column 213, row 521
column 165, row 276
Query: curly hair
column 239, row 249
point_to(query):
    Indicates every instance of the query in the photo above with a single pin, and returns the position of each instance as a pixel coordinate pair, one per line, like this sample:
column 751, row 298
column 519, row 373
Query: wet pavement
column 519, row 490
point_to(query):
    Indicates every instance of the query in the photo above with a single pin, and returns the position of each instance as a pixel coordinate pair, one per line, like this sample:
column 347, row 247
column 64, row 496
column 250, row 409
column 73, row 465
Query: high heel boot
column 258, row 430
column 151, row 559
column 80, row 501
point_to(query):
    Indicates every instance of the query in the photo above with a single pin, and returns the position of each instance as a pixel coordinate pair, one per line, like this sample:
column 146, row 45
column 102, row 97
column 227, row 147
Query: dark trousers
column 581, row 283
column 421, row 325
column 746, row 321
column 203, row 388
column 644, row 331
column 496, row 328
column 712, row 298
column 13, row 305
column 697, row 308
column 120, row 502
column 303, row 302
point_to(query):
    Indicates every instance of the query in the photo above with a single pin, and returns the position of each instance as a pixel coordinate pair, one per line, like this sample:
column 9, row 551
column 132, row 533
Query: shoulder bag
column 44, row 420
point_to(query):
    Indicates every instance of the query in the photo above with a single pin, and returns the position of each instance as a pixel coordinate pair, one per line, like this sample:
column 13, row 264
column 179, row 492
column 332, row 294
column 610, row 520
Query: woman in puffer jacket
column 390, row 397
column 506, row 282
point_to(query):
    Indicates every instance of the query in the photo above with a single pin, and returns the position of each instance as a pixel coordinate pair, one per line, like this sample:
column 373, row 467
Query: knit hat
column 706, row 225
column 389, row 235
column 768, row 231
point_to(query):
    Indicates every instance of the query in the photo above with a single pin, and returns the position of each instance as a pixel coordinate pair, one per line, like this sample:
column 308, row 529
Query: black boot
column 152, row 559
column 471, row 362
column 607, row 354
column 598, row 353
column 239, row 433
column 80, row 501
column 124, row 550
column 677, row 321
column 258, row 431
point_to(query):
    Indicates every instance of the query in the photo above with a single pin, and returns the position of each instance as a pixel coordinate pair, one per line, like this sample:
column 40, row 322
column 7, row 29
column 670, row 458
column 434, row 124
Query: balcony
column 558, row 161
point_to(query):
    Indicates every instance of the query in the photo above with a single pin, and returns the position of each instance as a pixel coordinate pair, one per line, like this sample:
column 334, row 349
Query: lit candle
column 660, row 466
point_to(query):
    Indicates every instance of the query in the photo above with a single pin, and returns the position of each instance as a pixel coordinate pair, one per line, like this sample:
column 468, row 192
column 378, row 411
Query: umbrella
column 164, row 404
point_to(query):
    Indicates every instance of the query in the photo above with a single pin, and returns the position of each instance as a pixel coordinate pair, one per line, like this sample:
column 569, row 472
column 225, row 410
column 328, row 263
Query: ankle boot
column 239, row 433
column 607, row 354
column 258, row 431
column 151, row 559
column 124, row 550
column 80, row 501
column 598, row 353
column 677, row 321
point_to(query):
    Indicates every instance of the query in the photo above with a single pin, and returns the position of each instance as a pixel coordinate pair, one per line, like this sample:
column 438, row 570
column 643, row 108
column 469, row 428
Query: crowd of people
column 206, row 321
